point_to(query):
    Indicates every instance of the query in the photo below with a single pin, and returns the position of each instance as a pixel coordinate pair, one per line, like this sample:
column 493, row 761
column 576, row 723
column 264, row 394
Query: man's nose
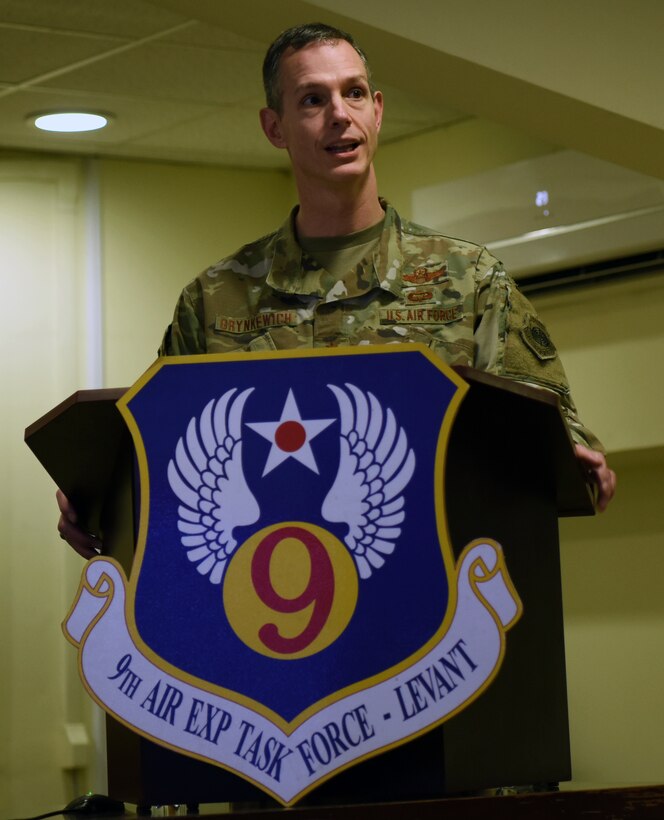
column 339, row 111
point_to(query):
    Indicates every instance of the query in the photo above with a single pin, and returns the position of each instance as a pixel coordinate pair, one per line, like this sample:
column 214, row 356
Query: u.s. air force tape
column 426, row 315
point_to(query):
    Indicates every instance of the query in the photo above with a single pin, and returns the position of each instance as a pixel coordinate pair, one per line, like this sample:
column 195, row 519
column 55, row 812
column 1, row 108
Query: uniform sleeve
column 512, row 341
column 186, row 333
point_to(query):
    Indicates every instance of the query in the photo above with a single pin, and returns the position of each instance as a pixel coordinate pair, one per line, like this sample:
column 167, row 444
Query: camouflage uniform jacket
column 417, row 286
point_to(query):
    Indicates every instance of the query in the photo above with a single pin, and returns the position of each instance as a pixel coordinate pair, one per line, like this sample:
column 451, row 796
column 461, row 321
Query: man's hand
column 598, row 471
column 83, row 542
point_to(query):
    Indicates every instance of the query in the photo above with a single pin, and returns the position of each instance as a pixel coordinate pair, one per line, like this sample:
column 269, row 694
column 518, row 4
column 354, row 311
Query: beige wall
column 612, row 569
column 41, row 209
column 612, row 339
column 612, row 342
column 160, row 224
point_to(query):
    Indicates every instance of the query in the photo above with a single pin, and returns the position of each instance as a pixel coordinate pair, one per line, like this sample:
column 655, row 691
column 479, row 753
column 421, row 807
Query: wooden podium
column 510, row 473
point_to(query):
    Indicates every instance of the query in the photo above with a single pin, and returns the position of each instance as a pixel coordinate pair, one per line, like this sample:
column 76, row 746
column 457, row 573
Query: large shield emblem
column 294, row 606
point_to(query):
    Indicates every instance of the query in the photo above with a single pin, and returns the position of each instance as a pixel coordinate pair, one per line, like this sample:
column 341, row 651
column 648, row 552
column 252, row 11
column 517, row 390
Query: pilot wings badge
column 293, row 573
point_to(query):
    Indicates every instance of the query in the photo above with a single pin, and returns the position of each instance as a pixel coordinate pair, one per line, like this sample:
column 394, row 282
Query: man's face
column 329, row 121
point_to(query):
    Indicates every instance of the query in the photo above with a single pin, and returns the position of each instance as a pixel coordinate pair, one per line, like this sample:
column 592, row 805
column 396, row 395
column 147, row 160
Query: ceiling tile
column 173, row 72
column 122, row 18
column 25, row 54
column 200, row 34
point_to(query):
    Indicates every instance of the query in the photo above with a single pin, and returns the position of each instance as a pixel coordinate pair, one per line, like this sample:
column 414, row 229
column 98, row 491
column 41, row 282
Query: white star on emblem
column 291, row 436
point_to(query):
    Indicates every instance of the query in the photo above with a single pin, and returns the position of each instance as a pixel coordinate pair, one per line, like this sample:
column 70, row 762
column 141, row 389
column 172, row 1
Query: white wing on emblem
column 375, row 465
column 206, row 475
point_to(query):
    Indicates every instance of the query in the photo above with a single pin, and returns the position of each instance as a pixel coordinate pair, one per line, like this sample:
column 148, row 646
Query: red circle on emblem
column 290, row 436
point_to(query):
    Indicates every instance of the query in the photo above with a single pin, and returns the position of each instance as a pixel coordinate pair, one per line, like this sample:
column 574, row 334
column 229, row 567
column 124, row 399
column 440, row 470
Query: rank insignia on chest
column 426, row 275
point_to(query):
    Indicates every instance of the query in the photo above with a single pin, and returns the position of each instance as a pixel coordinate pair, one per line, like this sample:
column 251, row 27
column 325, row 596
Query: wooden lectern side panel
column 501, row 484
column 78, row 443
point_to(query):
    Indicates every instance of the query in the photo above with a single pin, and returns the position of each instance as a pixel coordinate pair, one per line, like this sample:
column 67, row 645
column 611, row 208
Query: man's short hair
column 296, row 38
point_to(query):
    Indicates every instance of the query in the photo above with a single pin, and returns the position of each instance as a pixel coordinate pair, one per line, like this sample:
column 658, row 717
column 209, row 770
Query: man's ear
column 271, row 125
column 378, row 109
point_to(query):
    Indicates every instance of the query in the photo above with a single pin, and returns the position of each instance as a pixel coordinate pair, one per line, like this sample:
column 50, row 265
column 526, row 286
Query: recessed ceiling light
column 69, row 121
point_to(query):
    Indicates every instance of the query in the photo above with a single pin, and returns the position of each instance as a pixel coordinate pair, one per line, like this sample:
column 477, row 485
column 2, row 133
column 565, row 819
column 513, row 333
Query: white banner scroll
column 187, row 718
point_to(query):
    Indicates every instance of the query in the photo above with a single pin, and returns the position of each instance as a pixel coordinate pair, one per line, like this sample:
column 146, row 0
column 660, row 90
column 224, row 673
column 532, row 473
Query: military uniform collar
column 293, row 271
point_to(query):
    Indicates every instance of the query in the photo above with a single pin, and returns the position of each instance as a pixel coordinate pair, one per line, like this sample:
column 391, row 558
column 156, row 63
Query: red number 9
column 319, row 590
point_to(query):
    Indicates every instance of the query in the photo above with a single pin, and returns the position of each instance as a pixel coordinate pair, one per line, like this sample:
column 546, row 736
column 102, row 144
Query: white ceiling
column 178, row 88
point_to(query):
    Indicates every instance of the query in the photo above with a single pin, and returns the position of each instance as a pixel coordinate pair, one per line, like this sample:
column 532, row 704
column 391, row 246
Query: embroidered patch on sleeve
column 537, row 338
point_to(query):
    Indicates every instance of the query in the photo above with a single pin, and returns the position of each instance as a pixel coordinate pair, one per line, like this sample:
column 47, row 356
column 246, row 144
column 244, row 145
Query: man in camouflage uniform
column 414, row 286
column 345, row 269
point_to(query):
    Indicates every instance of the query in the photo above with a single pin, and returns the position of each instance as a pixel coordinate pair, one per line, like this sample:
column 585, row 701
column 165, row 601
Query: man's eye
column 311, row 99
column 356, row 93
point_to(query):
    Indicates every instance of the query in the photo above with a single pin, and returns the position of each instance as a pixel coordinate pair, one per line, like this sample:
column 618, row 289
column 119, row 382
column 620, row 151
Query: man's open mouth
column 342, row 147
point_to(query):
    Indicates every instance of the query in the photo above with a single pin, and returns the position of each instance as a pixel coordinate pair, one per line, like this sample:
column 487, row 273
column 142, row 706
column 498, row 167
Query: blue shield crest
column 292, row 544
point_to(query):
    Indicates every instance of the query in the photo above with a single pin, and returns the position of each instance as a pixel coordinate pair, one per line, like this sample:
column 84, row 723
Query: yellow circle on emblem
column 290, row 590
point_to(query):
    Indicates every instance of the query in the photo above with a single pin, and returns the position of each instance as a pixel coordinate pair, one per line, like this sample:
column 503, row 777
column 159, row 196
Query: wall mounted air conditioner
column 550, row 213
